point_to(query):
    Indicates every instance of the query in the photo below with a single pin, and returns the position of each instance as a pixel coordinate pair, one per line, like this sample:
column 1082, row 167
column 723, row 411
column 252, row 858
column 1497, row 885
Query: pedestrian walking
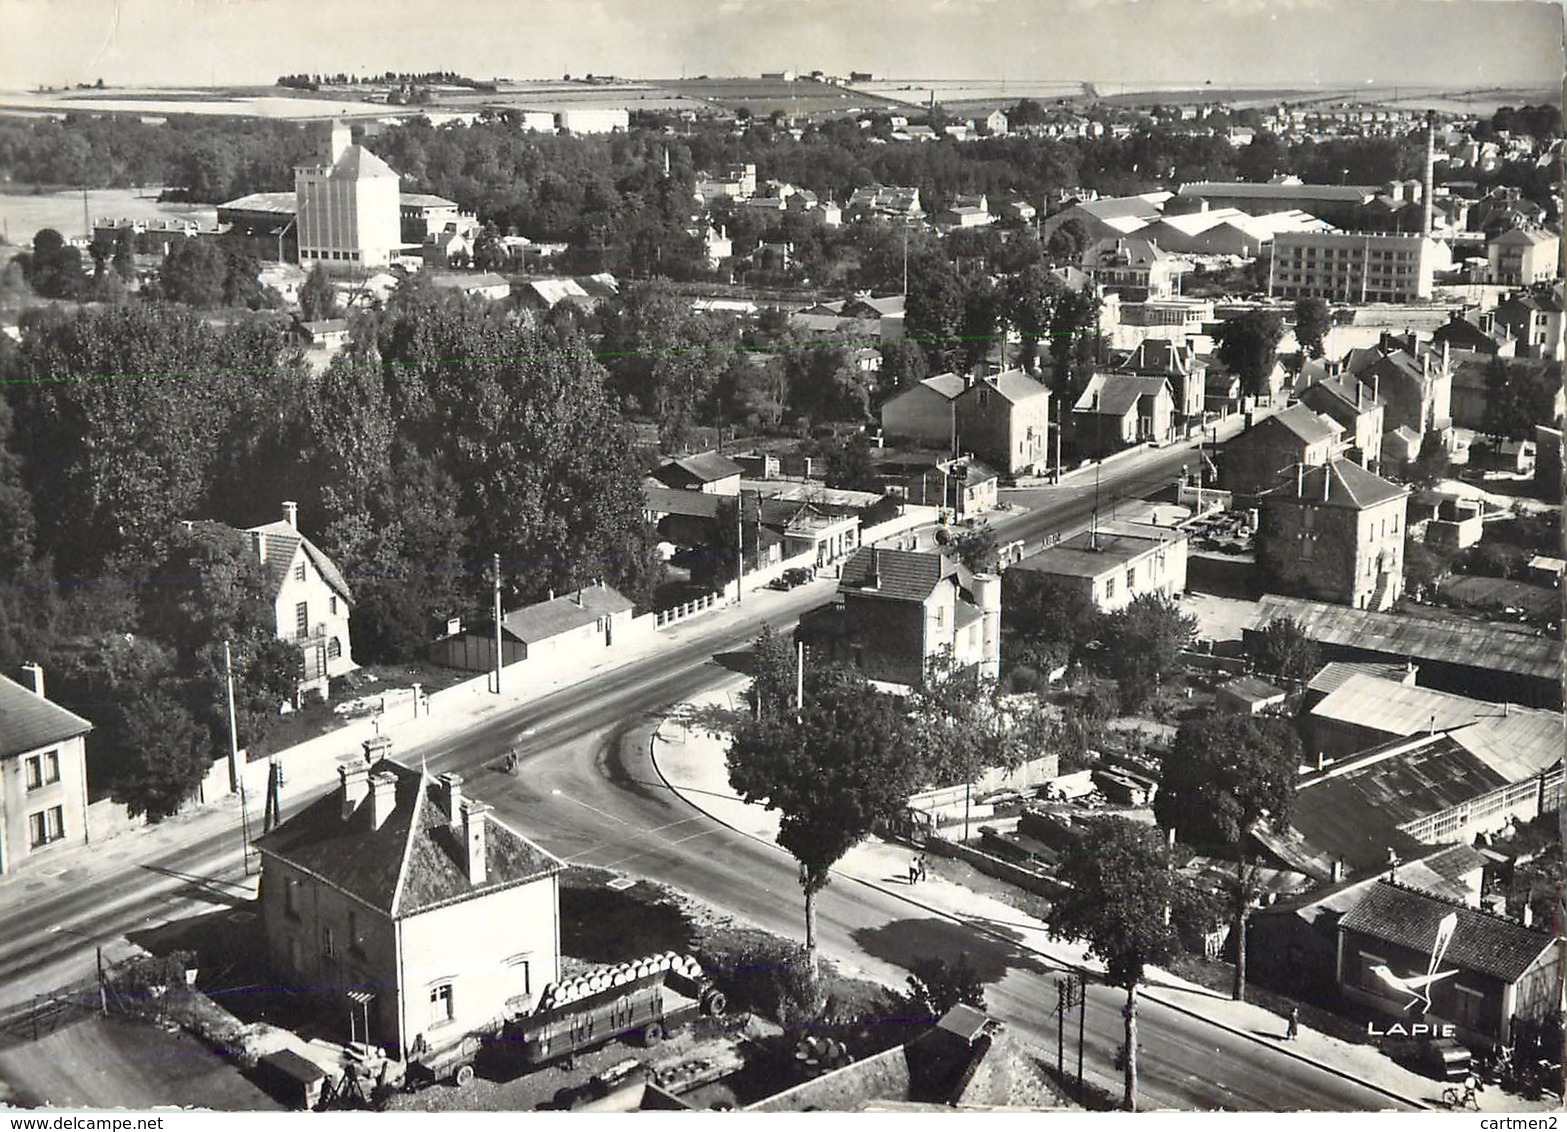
column 1293, row 1031
column 914, row 870
column 922, row 866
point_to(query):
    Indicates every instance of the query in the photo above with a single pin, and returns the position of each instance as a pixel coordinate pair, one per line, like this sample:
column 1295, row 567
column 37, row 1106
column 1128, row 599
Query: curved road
column 588, row 791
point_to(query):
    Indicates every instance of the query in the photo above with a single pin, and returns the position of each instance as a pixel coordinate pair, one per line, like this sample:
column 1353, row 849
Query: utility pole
column 799, row 677
column 228, row 679
column 740, row 548
column 497, row 563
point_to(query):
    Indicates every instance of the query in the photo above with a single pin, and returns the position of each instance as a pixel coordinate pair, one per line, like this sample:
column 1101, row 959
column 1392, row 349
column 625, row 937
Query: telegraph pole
column 739, row 548
column 228, row 679
column 497, row 563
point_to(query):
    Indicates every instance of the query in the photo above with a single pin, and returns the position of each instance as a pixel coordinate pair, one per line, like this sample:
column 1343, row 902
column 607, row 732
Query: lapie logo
column 1418, row 987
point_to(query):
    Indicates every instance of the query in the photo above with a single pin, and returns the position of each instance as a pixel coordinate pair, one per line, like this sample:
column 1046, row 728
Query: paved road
column 588, row 791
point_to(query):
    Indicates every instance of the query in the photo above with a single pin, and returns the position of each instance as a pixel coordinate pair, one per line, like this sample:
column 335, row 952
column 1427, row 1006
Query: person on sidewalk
column 1293, row 1030
column 922, row 866
column 914, row 870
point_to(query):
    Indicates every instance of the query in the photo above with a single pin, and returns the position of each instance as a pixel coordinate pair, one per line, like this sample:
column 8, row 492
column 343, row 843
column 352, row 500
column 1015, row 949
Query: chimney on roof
column 1300, row 480
column 451, row 796
column 1528, row 915
column 1336, row 872
column 36, row 671
column 1327, row 481
column 874, row 582
column 354, row 781
column 291, row 513
column 376, row 748
column 474, row 842
column 258, row 541
column 383, row 797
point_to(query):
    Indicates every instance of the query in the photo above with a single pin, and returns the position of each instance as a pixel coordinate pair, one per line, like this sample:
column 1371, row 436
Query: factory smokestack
column 1425, row 200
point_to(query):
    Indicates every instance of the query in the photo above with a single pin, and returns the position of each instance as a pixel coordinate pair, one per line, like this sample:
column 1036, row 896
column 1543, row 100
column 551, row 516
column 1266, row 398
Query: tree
column 317, row 296
column 1068, row 242
column 1518, row 396
column 54, row 268
column 832, row 776
column 1313, row 320
column 1224, row 775
column 936, row 986
column 194, row 273
column 1432, row 465
column 1143, row 643
column 1247, row 345
column 773, row 671
column 1048, row 624
column 1120, row 891
column 935, row 310
column 967, row 726
column 1286, row 652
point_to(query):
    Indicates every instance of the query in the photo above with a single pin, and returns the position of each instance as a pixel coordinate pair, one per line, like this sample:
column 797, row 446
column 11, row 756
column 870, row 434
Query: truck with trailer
column 645, row 1000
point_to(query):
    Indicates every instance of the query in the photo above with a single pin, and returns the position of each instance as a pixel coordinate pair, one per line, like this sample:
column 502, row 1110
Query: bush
column 766, row 976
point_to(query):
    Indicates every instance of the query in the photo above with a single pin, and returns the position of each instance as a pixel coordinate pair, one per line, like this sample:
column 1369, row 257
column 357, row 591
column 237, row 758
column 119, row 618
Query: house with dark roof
column 1535, row 320
column 1460, row 333
column 924, row 412
column 1118, row 410
column 709, row 472
column 1003, row 418
column 1492, row 973
column 1334, row 532
column 1292, row 944
column 412, row 915
column 1253, row 461
column 1176, row 362
column 1357, row 409
column 43, row 774
column 897, row 611
column 1418, row 390
column 310, row 599
column 963, row 486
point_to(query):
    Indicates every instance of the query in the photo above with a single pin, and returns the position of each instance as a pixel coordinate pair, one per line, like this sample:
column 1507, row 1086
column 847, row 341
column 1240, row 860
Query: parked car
column 790, row 578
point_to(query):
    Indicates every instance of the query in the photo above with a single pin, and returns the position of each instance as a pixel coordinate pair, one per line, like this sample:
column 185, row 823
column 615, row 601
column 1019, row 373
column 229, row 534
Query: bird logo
column 1418, row 987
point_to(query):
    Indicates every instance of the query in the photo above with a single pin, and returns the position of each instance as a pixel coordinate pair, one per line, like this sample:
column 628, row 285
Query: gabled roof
column 282, row 541
column 1308, row 425
column 1338, row 483
column 1160, row 355
column 28, row 721
column 902, row 575
column 414, row 862
column 1013, row 384
column 704, row 467
column 1487, row 944
column 680, row 501
column 1116, row 394
column 358, row 163
column 1333, row 674
column 1523, row 238
column 949, row 385
column 1342, row 395
column 539, row 622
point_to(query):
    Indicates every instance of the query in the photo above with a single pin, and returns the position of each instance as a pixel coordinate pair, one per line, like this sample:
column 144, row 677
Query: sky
column 1110, row 42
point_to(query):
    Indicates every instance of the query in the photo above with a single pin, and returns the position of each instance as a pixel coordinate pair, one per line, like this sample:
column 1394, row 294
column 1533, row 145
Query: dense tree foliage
column 1313, row 320
column 1224, row 775
column 1143, row 644
column 1248, row 346
column 1518, row 396
column 1119, row 892
column 1284, row 650
column 832, row 775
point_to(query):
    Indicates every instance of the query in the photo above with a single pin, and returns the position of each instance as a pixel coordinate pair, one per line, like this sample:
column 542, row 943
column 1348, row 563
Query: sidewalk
column 312, row 765
column 690, row 759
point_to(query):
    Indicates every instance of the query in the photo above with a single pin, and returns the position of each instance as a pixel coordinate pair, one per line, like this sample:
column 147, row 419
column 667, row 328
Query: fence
column 686, row 610
column 1024, row 878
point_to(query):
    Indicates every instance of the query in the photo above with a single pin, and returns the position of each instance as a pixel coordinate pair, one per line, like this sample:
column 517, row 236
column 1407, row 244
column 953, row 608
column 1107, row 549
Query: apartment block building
column 1354, row 267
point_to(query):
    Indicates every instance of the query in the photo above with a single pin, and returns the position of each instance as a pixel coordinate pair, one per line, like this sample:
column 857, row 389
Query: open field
column 953, row 92
column 252, row 102
column 23, row 213
column 764, row 96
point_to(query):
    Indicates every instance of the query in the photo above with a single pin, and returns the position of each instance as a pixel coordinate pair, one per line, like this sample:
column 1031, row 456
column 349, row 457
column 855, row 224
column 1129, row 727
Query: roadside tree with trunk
column 833, row 773
column 1225, row 775
column 1118, row 906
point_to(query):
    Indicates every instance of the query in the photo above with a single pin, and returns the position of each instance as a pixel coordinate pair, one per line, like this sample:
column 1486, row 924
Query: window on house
column 441, row 1004
column 302, row 619
column 941, row 616
column 1308, row 548
column 42, row 770
column 334, row 649
column 46, row 826
column 299, row 571
column 521, row 973
column 328, row 941
column 1109, row 587
column 1131, row 578
column 331, row 604
column 291, row 897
